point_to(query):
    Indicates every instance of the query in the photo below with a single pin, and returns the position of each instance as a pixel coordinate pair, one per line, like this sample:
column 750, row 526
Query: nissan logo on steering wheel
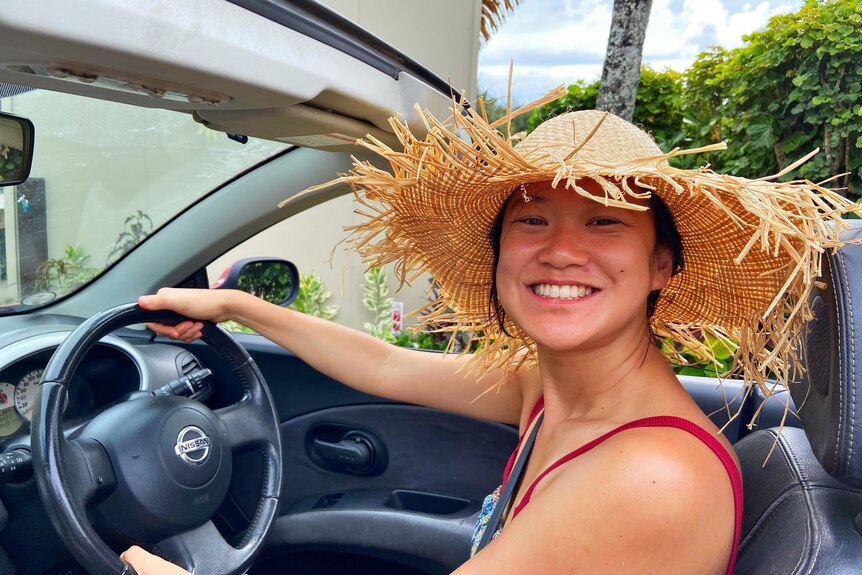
column 193, row 445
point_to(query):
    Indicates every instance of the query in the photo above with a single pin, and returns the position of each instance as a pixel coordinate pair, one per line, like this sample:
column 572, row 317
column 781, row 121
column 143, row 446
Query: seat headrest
column 830, row 397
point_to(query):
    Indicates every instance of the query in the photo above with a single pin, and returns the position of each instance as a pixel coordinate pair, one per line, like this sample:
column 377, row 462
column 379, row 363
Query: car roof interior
column 277, row 83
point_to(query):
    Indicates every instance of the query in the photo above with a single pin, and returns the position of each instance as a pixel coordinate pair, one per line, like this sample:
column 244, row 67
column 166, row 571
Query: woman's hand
column 195, row 303
column 148, row 564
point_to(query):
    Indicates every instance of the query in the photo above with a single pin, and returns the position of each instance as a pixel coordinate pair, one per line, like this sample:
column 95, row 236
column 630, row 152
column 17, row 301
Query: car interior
column 274, row 467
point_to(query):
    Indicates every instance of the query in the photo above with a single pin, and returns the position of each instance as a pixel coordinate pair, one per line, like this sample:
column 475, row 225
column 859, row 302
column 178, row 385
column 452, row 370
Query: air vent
column 187, row 363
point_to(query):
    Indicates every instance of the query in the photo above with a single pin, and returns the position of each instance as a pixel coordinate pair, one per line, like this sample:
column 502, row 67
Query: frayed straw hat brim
column 752, row 248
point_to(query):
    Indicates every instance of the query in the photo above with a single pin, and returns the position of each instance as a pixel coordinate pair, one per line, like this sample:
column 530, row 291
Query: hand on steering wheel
column 148, row 564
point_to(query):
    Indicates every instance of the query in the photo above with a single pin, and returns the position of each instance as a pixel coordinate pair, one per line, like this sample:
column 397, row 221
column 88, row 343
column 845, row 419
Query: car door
column 369, row 485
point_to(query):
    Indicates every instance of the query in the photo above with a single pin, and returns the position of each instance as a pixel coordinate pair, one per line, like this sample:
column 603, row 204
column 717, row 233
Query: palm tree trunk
column 621, row 73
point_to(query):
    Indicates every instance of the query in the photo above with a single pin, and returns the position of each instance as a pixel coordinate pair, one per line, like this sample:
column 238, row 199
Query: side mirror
column 272, row 279
column 16, row 149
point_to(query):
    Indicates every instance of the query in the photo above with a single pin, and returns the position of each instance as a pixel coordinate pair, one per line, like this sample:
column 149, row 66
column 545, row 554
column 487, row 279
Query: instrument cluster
column 105, row 375
column 17, row 401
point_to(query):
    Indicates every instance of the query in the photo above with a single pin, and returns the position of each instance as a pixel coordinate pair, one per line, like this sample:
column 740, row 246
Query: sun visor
column 304, row 125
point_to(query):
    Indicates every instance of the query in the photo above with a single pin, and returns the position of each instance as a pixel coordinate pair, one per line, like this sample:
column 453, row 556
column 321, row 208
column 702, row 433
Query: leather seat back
column 803, row 507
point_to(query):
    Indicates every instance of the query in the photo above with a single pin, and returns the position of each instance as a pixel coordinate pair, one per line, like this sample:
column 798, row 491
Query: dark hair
column 666, row 234
column 495, row 308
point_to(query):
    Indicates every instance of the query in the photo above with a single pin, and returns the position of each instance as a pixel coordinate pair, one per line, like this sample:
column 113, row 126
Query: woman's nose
column 565, row 247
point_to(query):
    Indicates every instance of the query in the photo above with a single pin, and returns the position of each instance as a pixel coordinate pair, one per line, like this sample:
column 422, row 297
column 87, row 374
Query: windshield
column 104, row 177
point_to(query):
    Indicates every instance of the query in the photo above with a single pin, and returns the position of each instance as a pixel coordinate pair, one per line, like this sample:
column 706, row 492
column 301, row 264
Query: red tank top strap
column 662, row 421
column 533, row 414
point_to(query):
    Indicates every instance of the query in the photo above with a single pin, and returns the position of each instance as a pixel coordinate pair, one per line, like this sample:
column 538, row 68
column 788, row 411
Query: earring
column 524, row 194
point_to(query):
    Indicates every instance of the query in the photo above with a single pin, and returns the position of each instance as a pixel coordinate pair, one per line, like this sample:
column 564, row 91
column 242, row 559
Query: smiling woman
column 559, row 255
column 377, row 459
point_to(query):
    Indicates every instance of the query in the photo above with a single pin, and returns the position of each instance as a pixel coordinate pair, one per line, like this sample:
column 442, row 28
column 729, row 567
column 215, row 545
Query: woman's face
column 574, row 274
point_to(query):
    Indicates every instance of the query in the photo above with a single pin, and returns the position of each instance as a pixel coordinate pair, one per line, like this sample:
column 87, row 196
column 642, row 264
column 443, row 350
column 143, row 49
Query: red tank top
column 660, row 421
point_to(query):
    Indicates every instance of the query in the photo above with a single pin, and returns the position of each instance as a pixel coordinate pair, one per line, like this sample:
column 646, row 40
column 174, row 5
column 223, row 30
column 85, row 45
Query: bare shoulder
column 674, row 456
column 649, row 500
column 661, row 490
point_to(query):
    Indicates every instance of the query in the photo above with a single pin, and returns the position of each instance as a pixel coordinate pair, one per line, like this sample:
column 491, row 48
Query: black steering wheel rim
column 54, row 462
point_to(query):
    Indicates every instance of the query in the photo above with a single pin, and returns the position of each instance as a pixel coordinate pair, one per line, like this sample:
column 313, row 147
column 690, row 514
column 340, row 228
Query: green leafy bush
column 312, row 297
column 67, row 273
column 233, row 326
column 11, row 162
column 376, row 300
column 422, row 340
column 693, row 365
column 794, row 87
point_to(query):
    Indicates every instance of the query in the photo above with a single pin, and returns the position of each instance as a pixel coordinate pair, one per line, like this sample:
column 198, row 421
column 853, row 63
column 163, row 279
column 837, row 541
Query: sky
column 555, row 42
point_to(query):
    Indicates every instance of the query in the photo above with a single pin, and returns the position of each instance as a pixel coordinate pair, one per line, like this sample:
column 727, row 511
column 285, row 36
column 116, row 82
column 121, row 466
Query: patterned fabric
column 490, row 502
column 488, row 507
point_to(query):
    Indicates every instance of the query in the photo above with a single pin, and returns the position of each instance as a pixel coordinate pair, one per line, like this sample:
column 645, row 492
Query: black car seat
column 803, row 508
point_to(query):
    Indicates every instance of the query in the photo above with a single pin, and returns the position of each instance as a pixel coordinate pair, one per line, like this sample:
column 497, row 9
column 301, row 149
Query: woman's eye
column 532, row 221
column 603, row 222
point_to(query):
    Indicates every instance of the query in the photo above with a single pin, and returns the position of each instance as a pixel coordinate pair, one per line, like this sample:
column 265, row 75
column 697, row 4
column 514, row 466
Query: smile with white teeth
column 561, row 292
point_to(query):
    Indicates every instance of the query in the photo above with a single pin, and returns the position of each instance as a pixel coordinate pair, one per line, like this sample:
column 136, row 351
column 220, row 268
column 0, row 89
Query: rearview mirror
column 272, row 279
column 16, row 149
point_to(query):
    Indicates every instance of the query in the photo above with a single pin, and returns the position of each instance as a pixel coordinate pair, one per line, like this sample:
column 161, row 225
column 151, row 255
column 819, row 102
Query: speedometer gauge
column 9, row 419
column 25, row 393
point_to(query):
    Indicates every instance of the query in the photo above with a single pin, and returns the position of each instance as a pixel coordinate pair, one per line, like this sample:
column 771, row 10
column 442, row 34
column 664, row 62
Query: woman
column 552, row 254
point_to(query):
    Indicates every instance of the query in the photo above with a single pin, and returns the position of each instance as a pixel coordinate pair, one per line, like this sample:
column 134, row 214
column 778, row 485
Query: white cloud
column 556, row 42
column 551, row 29
column 750, row 19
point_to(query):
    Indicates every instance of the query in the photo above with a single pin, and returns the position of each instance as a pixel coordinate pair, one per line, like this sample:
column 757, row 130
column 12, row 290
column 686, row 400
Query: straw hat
column 752, row 248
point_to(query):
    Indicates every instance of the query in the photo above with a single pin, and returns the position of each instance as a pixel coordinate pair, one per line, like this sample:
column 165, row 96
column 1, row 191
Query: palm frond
column 493, row 14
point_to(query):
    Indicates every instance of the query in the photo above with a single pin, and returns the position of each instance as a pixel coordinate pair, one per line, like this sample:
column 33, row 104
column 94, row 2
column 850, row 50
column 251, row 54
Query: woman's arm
column 351, row 357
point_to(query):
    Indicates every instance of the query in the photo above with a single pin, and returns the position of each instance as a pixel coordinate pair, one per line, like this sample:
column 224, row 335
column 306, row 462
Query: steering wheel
column 153, row 469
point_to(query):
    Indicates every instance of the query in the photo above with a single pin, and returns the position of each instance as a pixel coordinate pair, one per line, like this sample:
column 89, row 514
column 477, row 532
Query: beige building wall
column 313, row 241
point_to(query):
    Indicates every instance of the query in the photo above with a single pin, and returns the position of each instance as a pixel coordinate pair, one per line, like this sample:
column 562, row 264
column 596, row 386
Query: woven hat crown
column 597, row 137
